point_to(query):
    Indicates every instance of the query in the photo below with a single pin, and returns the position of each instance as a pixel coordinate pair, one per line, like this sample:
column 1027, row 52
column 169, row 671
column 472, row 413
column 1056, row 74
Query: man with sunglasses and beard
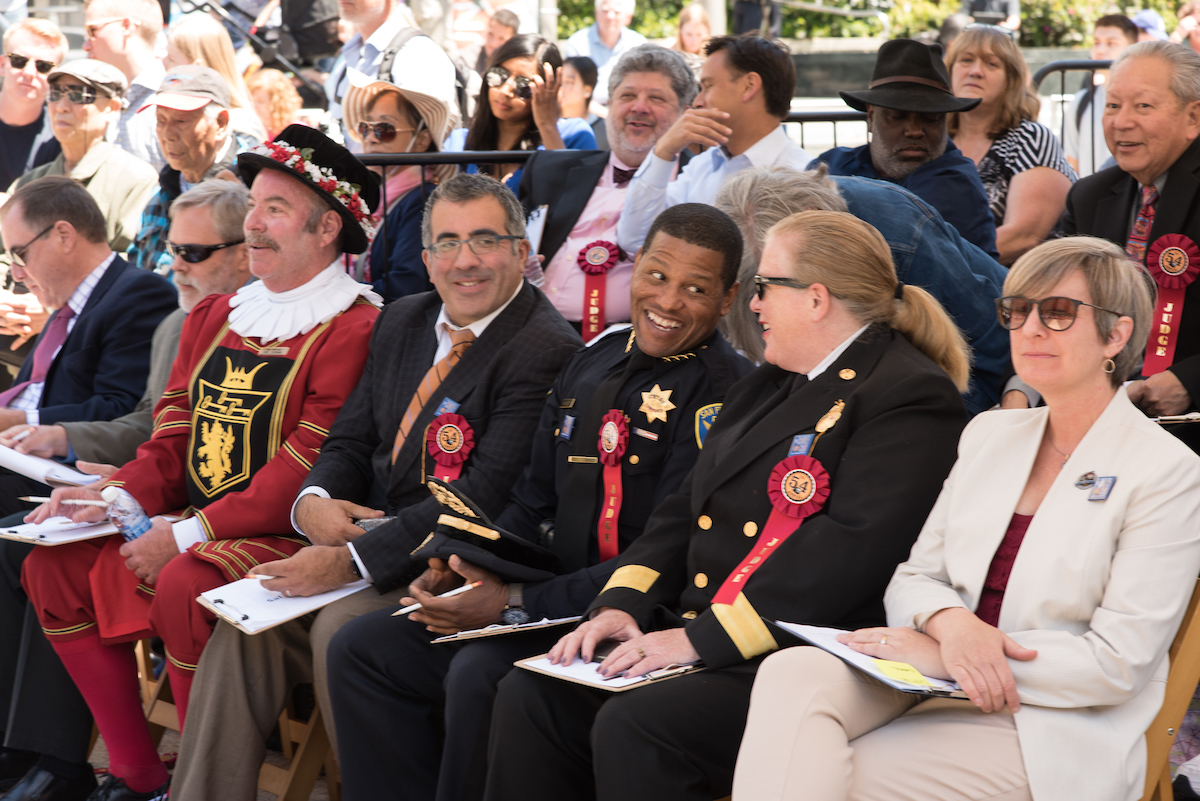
column 50, row 727
column 259, row 378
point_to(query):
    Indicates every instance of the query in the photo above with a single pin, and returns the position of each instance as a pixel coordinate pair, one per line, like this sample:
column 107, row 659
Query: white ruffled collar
column 278, row 316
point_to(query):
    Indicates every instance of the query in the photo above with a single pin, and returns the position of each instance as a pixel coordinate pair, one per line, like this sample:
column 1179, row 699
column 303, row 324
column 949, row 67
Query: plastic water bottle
column 126, row 513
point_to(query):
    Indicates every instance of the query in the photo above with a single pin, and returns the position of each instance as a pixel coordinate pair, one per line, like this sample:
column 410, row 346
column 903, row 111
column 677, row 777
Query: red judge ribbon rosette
column 798, row 487
column 596, row 260
column 1173, row 262
column 614, row 438
column 450, row 441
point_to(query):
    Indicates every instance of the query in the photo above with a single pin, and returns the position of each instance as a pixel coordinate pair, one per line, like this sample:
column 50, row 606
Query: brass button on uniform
column 634, row 459
column 556, row 431
column 847, row 374
column 701, row 580
column 691, row 615
column 750, row 529
column 704, row 522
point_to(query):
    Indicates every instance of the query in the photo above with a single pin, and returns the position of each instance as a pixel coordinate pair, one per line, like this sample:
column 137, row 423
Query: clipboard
column 584, row 673
column 890, row 673
column 57, row 531
column 44, row 470
column 250, row 608
column 499, row 629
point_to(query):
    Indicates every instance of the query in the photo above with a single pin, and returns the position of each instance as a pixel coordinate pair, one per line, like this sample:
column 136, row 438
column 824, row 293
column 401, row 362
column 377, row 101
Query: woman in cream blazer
column 1063, row 689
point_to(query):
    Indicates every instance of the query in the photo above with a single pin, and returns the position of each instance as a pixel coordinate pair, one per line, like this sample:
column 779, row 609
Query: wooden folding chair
column 1181, row 685
column 312, row 751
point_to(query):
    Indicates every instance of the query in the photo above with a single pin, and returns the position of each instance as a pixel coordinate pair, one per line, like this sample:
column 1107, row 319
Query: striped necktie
column 461, row 340
column 1135, row 248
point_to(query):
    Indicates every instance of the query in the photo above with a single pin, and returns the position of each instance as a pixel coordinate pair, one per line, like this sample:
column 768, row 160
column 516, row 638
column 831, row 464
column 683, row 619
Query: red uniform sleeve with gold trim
column 156, row 477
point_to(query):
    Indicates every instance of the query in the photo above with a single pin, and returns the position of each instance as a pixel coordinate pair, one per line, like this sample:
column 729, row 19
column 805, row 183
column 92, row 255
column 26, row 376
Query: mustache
column 635, row 117
column 261, row 241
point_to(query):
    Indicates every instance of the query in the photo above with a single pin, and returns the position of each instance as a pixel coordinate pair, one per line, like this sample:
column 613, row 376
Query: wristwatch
column 514, row 611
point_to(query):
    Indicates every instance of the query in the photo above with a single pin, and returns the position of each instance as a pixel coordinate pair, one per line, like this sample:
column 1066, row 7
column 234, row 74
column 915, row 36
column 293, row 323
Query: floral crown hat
column 329, row 170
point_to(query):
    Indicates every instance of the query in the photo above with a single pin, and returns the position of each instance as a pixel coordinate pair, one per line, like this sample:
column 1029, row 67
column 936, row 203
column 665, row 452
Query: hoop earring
column 1108, row 366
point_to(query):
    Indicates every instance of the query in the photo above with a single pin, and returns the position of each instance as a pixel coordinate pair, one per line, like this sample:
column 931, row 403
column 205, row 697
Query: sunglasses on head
column 1057, row 313
column 498, row 76
column 19, row 62
column 79, row 95
column 384, row 131
column 194, row 254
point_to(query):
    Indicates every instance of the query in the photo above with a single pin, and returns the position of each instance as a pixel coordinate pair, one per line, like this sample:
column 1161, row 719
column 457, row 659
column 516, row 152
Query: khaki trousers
column 242, row 685
column 822, row 731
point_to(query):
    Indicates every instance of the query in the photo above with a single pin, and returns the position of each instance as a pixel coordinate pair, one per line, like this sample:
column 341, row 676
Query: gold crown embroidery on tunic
column 237, row 377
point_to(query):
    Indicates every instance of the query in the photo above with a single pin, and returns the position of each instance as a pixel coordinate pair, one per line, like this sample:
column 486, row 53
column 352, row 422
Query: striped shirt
column 1029, row 145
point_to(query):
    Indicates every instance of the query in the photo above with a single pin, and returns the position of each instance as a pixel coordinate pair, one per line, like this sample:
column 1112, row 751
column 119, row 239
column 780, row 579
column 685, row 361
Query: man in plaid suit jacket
column 475, row 252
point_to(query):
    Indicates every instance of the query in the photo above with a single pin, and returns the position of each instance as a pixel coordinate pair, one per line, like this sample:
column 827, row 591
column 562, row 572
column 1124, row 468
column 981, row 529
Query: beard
column 884, row 155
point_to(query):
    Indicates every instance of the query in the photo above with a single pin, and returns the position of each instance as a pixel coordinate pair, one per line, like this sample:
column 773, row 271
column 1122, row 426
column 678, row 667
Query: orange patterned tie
column 461, row 340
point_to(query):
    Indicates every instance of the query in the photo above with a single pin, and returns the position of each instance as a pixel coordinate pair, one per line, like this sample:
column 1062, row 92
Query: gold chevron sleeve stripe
column 745, row 627
column 239, row 546
column 316, row 429
column 174, row 393
column 634, row 577
column 181, row 665
column 169, row 426
column 68, row 629
column 287, row 446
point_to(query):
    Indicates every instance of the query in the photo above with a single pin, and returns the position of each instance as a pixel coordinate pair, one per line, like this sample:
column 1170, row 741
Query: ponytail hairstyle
column 853, row 261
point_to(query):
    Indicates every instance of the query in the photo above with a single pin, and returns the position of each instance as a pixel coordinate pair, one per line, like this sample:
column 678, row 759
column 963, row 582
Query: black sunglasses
column 18, row 253
column 1057, row 313
column 194, row 254
column 19, row 62
column 498, row 76
column 761, row 282
column 79, row 95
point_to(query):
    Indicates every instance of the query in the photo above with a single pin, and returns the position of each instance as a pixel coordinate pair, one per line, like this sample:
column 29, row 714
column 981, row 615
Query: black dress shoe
column 113, row 789
column 1182, row 789
column 40, row 784
column 14, row 765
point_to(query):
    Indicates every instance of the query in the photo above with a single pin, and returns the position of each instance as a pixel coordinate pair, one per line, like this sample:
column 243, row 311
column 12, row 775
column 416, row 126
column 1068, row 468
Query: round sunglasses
column 194, row 254
column 384, row 131
column 1056, row 313
column 498, row 76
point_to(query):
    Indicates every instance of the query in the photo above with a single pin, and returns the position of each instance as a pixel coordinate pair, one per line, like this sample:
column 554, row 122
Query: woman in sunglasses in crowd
column 84, row 97
column 518, row 108
column 810, row 489
column 412, row 117
column 1050, row 578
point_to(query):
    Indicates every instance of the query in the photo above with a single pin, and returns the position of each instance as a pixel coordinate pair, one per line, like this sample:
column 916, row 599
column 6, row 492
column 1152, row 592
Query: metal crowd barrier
column 1061, row 100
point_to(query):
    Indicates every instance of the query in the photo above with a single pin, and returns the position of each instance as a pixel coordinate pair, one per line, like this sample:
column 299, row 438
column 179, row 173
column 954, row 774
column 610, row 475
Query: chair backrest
column 1181, row 686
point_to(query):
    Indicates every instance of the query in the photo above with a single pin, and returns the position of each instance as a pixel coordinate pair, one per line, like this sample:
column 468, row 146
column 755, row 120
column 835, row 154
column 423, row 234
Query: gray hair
column 465, row 187
column 227, row 202
column 1113, row 280
column 1184, row 63
column 755, row 200
column 628, row 6
column 653, row 58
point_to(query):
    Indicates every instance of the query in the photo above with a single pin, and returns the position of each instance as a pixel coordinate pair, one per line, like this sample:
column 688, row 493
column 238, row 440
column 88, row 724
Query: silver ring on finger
column 288, row 593
column 883, row 640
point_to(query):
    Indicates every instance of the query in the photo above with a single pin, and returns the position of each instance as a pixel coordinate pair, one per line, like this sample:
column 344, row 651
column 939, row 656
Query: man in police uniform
column 652, row 393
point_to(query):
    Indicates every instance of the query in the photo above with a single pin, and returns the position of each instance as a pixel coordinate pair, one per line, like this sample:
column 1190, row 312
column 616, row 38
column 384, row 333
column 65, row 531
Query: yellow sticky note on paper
column 902, row 671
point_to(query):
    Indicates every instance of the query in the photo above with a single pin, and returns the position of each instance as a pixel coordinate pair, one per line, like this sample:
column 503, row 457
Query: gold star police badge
column 656, row 403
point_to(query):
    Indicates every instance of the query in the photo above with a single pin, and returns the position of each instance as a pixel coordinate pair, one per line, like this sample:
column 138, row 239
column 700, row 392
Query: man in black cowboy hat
column 906, row 106
column 258, row 381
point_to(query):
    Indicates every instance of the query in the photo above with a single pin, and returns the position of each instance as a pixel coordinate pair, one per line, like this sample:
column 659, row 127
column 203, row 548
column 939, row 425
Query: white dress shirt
column 652, row 189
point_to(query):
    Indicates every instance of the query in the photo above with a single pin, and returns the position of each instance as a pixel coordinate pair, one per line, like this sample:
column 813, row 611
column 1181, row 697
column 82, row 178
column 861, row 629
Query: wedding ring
column 883, row 640
column 288, row 593
column 641, row 653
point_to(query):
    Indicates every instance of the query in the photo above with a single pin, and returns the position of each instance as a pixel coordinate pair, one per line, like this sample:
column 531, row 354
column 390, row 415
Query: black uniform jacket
column 658, row 456
column 886, row 456
column 1103, row 205
column 500, row 385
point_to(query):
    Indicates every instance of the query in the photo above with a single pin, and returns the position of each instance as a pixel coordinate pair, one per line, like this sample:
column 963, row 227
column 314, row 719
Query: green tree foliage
column 1044, row 23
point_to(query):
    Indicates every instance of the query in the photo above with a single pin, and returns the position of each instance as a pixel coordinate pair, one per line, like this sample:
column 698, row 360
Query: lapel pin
column 1085, row 481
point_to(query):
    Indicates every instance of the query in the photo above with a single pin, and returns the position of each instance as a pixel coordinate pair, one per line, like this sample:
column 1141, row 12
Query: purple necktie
column 43, row 355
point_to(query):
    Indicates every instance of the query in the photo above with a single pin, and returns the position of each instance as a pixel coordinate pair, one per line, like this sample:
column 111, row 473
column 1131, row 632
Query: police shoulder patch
column 705, row 417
